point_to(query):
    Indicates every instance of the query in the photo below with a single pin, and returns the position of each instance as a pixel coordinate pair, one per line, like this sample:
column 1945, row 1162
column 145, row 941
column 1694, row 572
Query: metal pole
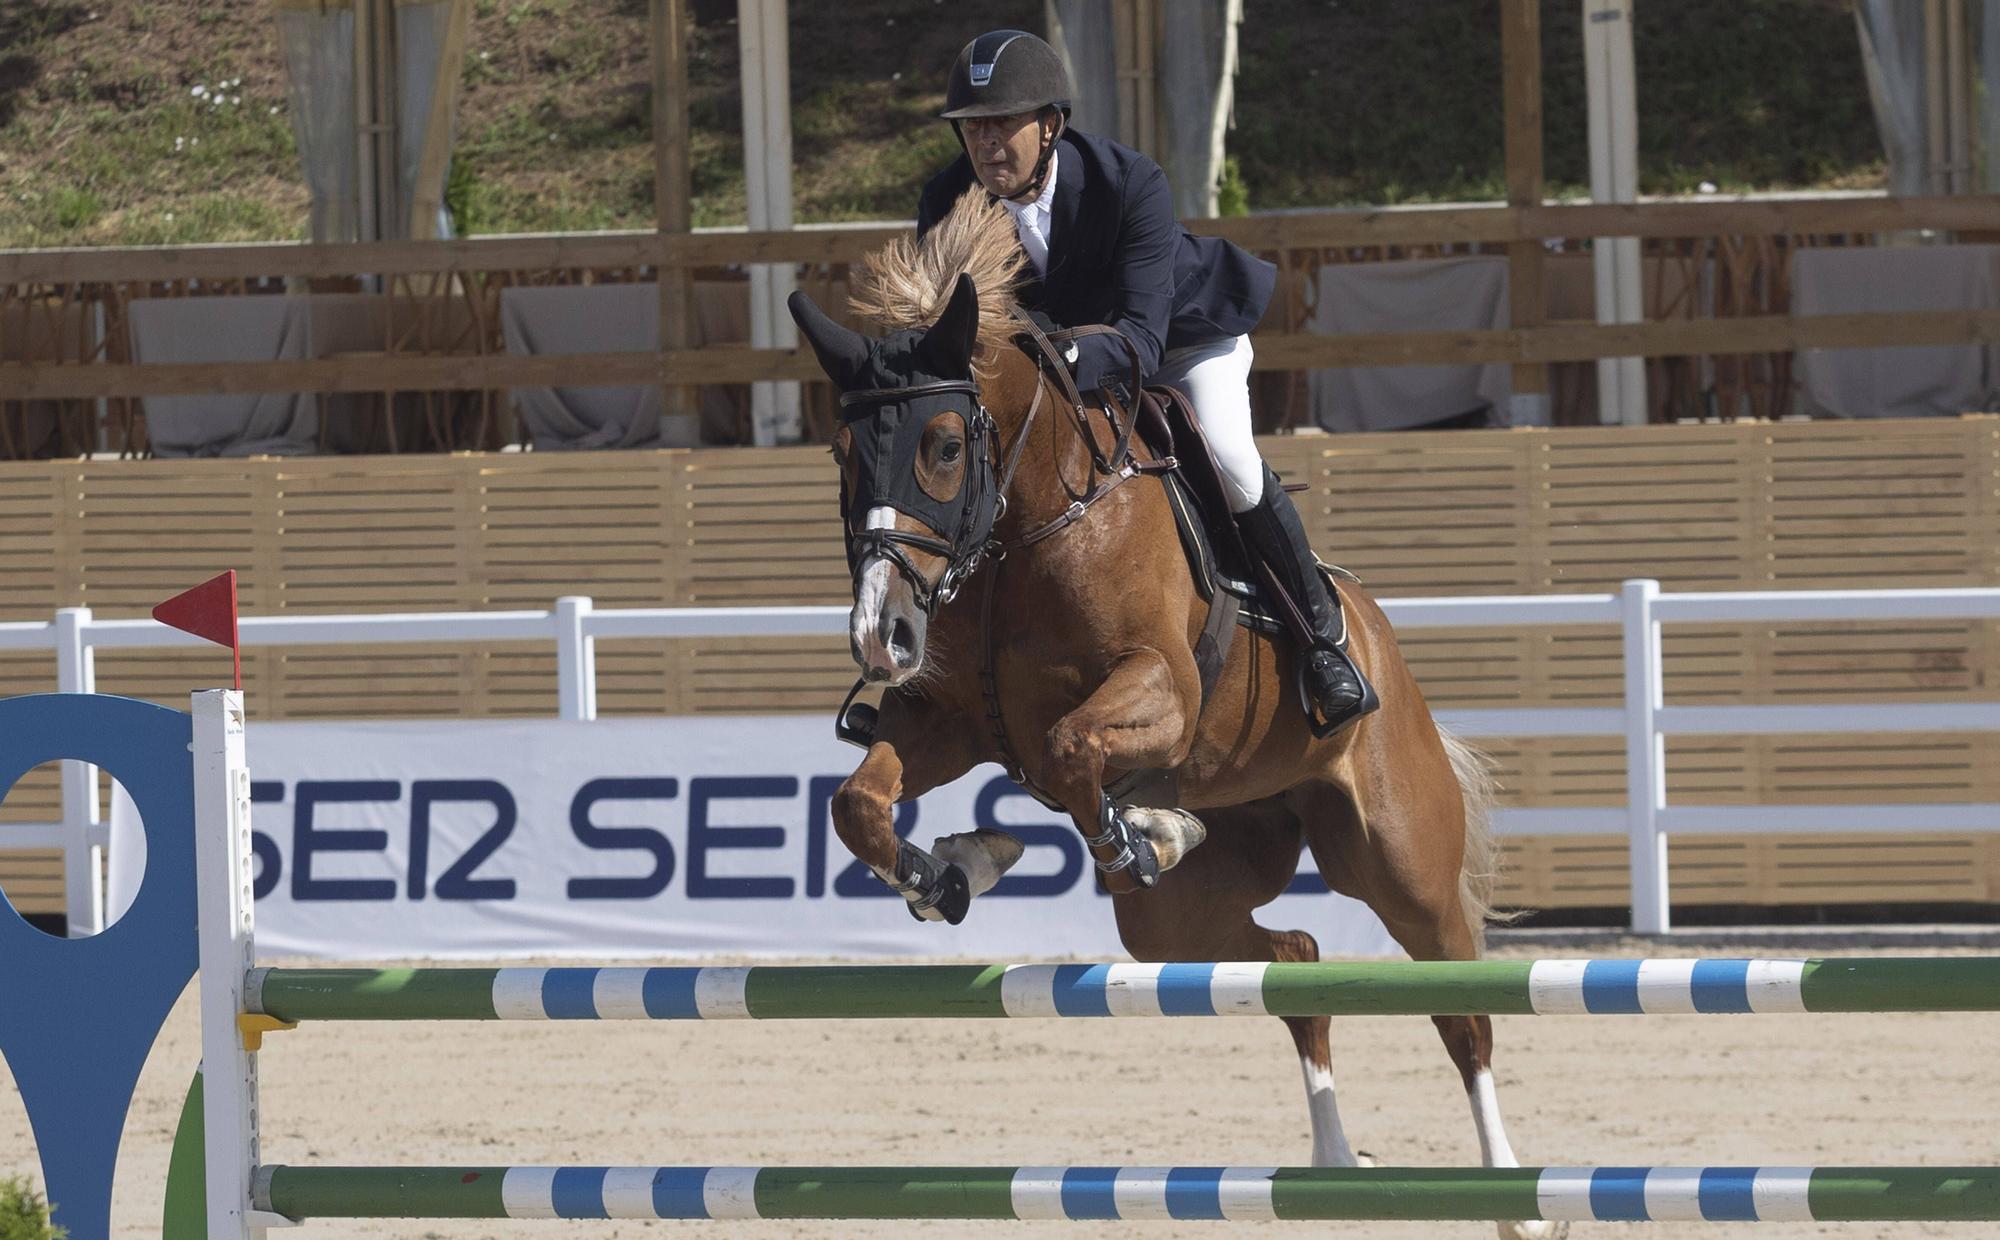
column 225, row 920
column 576, row 661
column 1645, row 758
column 83, row 854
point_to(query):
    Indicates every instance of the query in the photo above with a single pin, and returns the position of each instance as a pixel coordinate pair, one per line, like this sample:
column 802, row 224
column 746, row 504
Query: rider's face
column 1004, row 149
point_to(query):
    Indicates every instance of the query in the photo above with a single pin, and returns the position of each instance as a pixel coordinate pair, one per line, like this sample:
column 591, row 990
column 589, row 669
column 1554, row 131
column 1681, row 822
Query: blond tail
column 1477, row 788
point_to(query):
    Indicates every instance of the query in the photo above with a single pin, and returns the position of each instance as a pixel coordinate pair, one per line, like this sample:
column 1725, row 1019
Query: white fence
column 1645, row 721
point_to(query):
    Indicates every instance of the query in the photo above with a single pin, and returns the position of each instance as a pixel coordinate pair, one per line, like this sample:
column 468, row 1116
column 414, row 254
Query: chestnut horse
column 963, row 464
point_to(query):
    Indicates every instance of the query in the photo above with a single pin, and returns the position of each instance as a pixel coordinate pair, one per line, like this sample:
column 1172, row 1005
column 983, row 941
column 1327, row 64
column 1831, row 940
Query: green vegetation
column 110, row 133
column 23, row 1213
column 1399, row 100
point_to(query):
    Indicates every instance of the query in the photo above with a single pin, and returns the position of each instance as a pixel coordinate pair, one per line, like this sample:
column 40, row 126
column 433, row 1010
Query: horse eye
column 951, row 450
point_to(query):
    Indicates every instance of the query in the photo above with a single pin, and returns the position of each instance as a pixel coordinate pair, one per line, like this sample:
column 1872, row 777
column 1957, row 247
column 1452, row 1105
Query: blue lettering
column 307, row 839
column 704, row 837
column 270, row 865
column 617, row 838
column 457, row 882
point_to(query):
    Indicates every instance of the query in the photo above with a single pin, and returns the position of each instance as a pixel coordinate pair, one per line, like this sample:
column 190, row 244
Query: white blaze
column 870, row 591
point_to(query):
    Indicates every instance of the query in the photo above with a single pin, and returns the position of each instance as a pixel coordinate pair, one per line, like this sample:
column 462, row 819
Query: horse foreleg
column 1141, row 717
column 911, row 755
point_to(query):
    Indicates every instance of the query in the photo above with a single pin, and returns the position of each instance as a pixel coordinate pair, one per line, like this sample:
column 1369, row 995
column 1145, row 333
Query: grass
column 102, row 140
column 1387, row 101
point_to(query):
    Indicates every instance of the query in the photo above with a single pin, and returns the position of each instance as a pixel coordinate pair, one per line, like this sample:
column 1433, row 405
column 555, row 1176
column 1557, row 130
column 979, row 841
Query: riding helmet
column 1003, row 72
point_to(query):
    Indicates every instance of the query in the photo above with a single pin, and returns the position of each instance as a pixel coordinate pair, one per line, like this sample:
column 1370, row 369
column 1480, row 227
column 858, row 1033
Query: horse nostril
column 902, row 641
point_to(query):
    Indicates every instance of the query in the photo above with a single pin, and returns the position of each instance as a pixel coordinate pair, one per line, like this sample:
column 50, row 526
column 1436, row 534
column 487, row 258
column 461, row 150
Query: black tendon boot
column 1336, row 692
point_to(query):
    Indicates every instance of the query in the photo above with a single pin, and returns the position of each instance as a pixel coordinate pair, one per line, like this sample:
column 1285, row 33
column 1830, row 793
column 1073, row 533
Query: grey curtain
column 1989, row 76
column 318, row 41
column 1892, row 52
column 420, row 35
column 1198, row 91
column 226, row 329
column 609, row 319
column 1195, row 85
column 319, row 61
column 1443, row 294
column 1081, row 30
column 1927, row 381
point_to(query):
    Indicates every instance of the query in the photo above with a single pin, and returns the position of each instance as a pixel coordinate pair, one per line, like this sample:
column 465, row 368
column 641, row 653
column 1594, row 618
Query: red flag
column 209, row 612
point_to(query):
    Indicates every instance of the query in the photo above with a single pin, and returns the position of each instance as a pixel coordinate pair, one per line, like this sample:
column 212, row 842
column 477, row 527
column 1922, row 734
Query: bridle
column 980, row 505
column 972, row 543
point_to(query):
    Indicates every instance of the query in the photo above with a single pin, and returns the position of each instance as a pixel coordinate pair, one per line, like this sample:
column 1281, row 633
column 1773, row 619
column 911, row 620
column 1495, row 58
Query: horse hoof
column 984, row 855
column 1536, row 1229
column 1173, row 833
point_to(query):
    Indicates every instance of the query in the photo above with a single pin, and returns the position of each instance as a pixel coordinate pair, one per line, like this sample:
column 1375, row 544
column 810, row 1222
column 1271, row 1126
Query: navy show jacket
column 1118, row 255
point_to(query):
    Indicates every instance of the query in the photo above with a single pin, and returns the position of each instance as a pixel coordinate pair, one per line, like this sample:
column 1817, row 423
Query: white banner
column 649, row 838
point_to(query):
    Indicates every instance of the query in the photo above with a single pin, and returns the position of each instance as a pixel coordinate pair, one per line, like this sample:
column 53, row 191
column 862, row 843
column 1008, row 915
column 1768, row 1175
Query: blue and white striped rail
column 1542, row 987
column 1241, row 1194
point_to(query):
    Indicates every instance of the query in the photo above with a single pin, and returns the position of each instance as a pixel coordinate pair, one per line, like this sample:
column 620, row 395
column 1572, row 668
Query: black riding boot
column 1335, row 689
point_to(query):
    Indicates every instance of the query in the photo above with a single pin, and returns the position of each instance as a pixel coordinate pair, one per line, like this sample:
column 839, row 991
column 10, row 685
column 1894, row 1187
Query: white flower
column 1706, row 187
column 170, row 217
column 199, row 91
column 274, row 109
column 236, row 101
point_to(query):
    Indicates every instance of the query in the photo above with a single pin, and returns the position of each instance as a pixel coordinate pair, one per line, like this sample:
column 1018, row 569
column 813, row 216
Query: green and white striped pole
column 1371, row 988
column 1603, row 1194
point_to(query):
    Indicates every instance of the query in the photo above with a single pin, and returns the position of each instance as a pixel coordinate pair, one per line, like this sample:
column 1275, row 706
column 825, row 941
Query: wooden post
column 672, row 189
column 1521, row 68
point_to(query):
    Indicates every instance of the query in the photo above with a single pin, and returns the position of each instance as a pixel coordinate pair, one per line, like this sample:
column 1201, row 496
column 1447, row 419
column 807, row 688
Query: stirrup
column 1135, row 851
column 1324, row 726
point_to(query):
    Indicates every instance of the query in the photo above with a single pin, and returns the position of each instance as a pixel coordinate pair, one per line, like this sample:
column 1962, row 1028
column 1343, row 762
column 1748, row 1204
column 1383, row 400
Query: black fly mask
column 895, row 392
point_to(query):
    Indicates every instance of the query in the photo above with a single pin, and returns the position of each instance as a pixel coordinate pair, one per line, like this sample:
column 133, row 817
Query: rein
column 1108, row 474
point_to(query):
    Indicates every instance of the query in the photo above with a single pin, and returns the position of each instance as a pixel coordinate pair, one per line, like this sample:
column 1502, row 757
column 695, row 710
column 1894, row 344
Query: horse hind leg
column 1202, row 911
column 1428, row 887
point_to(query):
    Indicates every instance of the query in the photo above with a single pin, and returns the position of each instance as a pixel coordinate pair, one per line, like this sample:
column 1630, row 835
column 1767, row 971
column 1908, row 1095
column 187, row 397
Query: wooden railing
column 1300, row 243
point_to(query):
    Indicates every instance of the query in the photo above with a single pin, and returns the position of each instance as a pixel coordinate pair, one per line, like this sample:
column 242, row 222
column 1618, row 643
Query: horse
column 1081, row 633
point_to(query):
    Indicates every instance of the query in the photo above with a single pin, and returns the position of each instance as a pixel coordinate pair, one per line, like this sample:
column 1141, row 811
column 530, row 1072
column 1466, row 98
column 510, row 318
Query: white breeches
column 1215, row 377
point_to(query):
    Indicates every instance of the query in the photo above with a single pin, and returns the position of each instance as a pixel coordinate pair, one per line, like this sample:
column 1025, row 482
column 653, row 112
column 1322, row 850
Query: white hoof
column 1172, row 832
column 983, row 855
column 1538, row 1229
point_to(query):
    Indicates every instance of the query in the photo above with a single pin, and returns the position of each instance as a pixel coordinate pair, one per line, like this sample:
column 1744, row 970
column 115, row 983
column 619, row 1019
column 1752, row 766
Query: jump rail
column 1586, row 1194
column 987, row 991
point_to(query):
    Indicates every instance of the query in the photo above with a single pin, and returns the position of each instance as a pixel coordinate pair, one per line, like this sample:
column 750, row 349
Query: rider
column 1098, row 225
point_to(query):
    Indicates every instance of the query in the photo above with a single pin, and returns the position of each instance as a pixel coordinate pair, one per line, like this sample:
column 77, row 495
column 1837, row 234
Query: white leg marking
column 1493, row 1148
column 1495, row 1152
column 1330, row 1147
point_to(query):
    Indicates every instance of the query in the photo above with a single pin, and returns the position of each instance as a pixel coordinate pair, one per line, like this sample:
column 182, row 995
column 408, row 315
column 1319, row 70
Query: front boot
column 1336, row 692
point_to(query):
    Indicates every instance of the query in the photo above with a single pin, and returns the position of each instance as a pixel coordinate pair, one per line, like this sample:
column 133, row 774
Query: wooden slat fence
column 1744, row 506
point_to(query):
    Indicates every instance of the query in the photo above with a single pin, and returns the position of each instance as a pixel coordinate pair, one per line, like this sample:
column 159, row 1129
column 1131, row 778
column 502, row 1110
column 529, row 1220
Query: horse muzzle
column 886, row 629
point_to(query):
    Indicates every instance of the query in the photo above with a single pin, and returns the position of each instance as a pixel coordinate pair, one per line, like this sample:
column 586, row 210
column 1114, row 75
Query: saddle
column 1217, row 556
column 1239, row 592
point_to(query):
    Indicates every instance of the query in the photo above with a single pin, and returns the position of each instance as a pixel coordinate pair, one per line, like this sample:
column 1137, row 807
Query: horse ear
column 951, row 340
column 843, row 353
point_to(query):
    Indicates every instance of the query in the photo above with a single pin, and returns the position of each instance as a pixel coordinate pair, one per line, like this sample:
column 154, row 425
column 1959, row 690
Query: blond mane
column 905, row 284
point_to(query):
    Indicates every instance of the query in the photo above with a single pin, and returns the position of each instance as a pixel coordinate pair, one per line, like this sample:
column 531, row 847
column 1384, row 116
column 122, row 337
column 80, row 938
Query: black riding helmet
column 1003, row 72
